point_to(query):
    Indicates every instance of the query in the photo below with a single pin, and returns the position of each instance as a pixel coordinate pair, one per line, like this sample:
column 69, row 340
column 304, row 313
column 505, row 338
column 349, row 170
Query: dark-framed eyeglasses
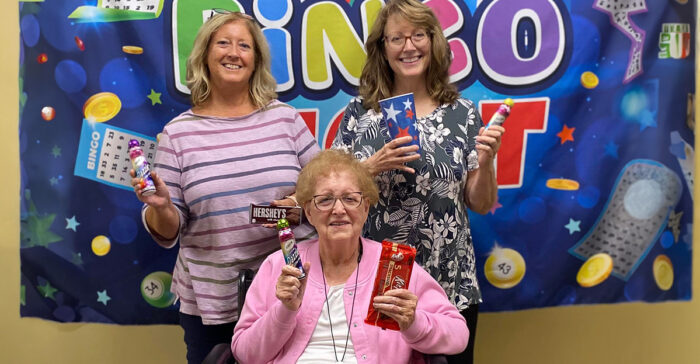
column 398, row 40
column 349, row 200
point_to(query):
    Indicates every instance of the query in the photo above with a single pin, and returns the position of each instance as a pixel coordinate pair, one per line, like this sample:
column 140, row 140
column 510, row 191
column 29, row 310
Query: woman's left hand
column 488, row 142
column 399, row 304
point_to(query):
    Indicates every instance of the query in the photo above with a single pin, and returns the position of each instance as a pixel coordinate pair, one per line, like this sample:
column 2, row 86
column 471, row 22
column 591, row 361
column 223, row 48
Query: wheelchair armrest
column 245, row 278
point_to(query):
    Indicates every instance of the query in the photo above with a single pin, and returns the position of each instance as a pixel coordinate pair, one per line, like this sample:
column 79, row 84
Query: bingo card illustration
column 103, row 153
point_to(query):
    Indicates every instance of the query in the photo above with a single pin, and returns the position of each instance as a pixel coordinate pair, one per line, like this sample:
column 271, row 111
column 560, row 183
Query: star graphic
column 403, row 132
column 573, row 226
column 611, row 149
column 497, row 205
column 77, row 259
column 53, row 181
column 566, row 134
column 72, row 223
column 407, row 104
column 646, row 120
column 47, row 291
column 391, row 112
column 155, row 97
column 56, row 151
column 23, row 295
column 103, row 297
column 409, row 114
column 35, row 229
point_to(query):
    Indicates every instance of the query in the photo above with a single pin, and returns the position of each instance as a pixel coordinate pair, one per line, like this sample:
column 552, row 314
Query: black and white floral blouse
column 425, row 210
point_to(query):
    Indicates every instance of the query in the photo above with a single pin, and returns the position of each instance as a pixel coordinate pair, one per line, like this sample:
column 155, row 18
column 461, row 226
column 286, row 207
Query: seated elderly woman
column 320, row 318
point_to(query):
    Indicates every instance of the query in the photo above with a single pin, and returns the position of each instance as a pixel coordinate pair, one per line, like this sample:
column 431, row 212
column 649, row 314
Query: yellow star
column 155, row 97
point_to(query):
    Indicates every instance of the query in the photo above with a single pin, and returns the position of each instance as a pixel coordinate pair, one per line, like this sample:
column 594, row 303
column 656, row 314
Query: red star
column 409, row 114
column 402, row 133
column 566, row 134
column 496, row 206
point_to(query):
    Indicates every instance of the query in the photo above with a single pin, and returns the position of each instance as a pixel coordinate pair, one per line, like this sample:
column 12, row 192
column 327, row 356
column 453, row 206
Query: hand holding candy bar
column 399, row 304
column 290, row 289
column 159, row 199
column 488, row 143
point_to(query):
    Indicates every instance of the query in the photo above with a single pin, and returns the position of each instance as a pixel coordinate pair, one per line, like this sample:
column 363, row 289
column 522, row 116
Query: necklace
column 352, row 309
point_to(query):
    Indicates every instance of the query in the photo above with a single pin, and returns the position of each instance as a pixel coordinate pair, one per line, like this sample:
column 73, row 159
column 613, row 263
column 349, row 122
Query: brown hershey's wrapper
column 394, row 272
column 266, row 214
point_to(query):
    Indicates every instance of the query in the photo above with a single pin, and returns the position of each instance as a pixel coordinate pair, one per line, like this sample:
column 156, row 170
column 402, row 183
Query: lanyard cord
column 352, row 309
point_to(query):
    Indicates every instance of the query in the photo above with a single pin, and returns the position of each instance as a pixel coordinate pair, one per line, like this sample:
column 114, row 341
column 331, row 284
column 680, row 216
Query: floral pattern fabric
column 425, row 210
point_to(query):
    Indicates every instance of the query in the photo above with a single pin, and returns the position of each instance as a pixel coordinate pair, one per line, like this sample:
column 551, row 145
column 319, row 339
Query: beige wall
column 623, row 333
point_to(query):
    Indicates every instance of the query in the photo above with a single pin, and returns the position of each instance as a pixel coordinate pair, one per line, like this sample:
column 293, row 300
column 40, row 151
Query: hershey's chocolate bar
column 266, row 214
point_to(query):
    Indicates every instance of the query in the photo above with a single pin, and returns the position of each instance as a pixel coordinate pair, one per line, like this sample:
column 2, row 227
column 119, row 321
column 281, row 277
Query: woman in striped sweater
column 237, row 145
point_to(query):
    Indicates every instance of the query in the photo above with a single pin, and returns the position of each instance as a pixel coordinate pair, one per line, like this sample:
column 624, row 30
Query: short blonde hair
column 334, row 160
column 377, row 78
column 262, row 83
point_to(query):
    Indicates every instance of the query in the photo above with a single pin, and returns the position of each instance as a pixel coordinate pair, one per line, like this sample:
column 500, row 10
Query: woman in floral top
column 424, row 197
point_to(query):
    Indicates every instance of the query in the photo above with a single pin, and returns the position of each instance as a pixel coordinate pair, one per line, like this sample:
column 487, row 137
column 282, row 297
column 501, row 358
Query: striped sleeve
column 306, row 144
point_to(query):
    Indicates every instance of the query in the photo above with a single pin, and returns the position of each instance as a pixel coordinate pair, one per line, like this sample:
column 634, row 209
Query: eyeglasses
column 418, row 38
column 349, row 200
column 217, row 11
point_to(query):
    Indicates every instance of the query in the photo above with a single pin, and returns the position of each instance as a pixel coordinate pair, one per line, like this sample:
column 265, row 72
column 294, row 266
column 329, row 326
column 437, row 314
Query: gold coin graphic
column 102, row 107
column 562, row 184
column 589, row 80
column 132, row 49
column 595, row 270
column 663, row 272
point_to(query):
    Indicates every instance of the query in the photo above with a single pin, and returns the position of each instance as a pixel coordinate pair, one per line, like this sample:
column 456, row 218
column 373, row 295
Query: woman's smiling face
column 341, row 223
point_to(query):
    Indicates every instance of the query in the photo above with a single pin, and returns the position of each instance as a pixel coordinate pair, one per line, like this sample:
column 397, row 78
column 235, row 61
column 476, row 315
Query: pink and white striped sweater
column 214, row 169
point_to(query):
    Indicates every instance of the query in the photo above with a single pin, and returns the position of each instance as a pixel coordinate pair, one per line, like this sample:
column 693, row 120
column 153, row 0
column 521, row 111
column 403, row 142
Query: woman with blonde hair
column 424, row 197
column 237, row 145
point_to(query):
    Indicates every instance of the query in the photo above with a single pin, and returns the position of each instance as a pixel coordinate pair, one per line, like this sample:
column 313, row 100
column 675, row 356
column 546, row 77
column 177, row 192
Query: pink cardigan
column 267, row 332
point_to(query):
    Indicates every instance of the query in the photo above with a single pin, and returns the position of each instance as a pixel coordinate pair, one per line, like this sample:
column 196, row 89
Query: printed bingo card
column 118, row 10
column 103, row 154
column 135, row 5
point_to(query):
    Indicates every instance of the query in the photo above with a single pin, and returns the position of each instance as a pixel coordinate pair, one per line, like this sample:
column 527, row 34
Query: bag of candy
column 394, row 272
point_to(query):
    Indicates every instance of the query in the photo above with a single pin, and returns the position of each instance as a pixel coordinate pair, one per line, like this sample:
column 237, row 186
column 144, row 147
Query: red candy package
column 394, row 272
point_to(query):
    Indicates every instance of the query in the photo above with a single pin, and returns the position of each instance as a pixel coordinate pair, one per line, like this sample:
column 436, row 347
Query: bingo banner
column 595, row 171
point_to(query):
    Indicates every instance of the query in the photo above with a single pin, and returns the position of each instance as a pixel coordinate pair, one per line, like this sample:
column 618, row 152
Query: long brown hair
column 377, row 79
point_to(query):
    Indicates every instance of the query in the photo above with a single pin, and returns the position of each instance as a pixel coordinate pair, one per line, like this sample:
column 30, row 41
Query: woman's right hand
column 393, row 156
column 158, row 200
column 289, row 288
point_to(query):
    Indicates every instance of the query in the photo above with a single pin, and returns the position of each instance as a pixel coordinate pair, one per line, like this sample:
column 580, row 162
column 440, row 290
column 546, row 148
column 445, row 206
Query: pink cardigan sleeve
column 265, row 324
column 438, row 327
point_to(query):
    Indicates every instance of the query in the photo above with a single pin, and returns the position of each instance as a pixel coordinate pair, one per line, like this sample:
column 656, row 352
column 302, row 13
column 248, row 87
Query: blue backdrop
column 595, row 172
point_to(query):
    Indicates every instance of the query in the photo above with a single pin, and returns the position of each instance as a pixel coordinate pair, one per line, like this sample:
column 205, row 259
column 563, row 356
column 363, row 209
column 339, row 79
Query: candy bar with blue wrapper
column 400, row 115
